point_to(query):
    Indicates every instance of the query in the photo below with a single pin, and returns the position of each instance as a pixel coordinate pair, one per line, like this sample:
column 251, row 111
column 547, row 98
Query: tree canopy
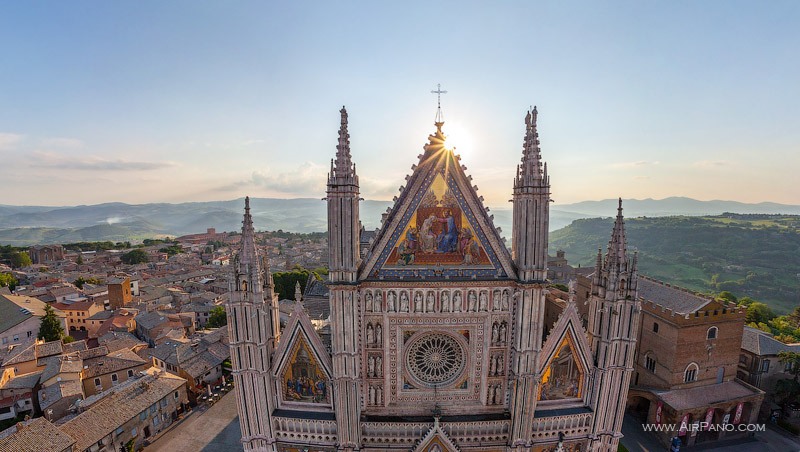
column 217, row 317
column 135, row 257
column 20, row 259
column 8, row 280
column 50, row 328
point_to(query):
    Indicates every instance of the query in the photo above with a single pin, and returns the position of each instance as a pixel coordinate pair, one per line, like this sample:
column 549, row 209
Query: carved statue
column 457, row 301
column 403, row 302
column 370, row 334
column 495, row 333
column 483, row 302
column 391, row 299
column 498, row 365
column 430, row 302
column 502, row 333
column 498, row 396
column 418, row 302
column 378, row 335
column 371, row 395
column 368, row 302
column 445, row 302
column 491, row 365
column 377, row 306
column 496, row 300
column 378, row 366
column 371, row 366
column 471, row 300
column 504, row 304
column 379, row 396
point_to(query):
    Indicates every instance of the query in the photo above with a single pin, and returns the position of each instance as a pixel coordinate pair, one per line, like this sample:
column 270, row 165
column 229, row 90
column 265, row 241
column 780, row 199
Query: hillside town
column 145, row 334
column 142, row 333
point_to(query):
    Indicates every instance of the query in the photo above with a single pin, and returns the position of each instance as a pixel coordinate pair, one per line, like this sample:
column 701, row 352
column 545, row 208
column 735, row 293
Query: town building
column 129, row 414
column 686, row 365
column 760, row 365
column 436, row 329
column 119, row 292
column 46, row 254
column 22, row 316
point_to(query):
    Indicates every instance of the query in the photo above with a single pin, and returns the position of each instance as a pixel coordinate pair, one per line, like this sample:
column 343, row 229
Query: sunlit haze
column 193, row 101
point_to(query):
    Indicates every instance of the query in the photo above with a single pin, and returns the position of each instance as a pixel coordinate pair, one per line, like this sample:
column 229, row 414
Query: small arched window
column 690, row 374
column 711, row 333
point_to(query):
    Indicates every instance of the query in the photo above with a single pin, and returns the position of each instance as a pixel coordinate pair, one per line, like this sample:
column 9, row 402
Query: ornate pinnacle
column 617, row 246
column 247, row 254
column 343, row 171
column 531, row 172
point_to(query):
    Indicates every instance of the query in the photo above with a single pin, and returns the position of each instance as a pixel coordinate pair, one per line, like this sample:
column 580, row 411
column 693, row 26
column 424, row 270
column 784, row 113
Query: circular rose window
column 435, row 359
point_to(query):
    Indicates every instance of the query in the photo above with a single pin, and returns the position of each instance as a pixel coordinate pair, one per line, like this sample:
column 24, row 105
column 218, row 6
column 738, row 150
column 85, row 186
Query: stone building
column 437, row 338
column 46, row 254
column 686, row 364
column 759, row 363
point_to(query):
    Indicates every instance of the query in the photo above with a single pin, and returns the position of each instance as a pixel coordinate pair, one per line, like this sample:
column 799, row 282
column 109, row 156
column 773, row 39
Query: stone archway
column 639, row 407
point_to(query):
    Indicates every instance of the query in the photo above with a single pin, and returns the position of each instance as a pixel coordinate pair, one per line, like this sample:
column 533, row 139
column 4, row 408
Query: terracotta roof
column 67, row 389
column 20, row 353
column 49, row 349
column 113, row 362
column 36, row 435
column 24, row 381
column 703, row 396
column 116, row 340
column 123, row 404
column 679, row 300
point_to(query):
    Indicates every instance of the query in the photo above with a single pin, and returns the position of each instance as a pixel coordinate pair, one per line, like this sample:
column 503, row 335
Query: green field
column 749, row 255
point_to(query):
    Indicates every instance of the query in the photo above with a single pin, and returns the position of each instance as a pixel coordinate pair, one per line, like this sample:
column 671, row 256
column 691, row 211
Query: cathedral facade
column 438, row 340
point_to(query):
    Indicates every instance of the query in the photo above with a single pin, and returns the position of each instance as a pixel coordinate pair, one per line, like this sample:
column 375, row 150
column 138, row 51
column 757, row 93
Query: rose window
column 435, row 359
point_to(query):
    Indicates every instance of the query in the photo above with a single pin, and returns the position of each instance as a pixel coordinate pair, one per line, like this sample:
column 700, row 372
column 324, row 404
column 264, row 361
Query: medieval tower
column 437, row 336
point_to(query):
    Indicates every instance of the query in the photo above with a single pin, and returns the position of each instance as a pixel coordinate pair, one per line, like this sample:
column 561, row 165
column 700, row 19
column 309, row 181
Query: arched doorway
column 639, row 407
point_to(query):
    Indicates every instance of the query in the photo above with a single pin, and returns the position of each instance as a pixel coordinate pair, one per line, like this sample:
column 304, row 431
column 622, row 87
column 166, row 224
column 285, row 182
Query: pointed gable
column 436, row 440
column 565, row 358
column 438, row 227
column 303, row 367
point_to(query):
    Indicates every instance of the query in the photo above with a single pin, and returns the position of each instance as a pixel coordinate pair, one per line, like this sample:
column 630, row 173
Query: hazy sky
column 150, row 101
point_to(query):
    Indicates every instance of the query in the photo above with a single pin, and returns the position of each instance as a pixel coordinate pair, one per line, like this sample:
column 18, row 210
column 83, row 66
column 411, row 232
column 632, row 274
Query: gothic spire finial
column 342, row 168
column 247, row 253
column 531, row 168
column 617, row 246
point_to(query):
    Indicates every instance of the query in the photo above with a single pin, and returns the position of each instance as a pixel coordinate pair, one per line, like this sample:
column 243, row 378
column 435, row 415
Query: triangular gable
column 438, row 227
column 566, row 338
column 436, row 440
column 302, row 367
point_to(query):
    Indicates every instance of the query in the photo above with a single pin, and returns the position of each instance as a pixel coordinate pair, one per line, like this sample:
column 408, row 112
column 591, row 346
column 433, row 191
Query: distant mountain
column 25, row 225
column 672, row 206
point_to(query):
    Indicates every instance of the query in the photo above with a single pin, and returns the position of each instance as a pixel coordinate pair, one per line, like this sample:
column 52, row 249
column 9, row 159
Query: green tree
column 20, row 259
column 217, row 317
column 286, row 281
column 758, row 312
column 792, row 358
column 68, row 339
column 134, row 257
column 50, row 329
column 727, row 296
column 8, row 280
column 81, row 281
column 79, row 260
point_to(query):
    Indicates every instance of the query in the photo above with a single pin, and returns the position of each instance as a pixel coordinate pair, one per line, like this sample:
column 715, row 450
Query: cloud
column 91, row 163
column 641, row 177
column 8, row 140
column 379, row 188
column 712, row 164
column 636, row 164
column 72, row 143
column 308, row 180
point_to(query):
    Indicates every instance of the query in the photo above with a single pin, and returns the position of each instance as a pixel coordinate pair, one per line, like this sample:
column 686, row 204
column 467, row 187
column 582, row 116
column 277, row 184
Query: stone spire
column 531, row 207
column 247, row 254
column 530, row 172
column 617, row 247
column 298, row 294
column 343, row 170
